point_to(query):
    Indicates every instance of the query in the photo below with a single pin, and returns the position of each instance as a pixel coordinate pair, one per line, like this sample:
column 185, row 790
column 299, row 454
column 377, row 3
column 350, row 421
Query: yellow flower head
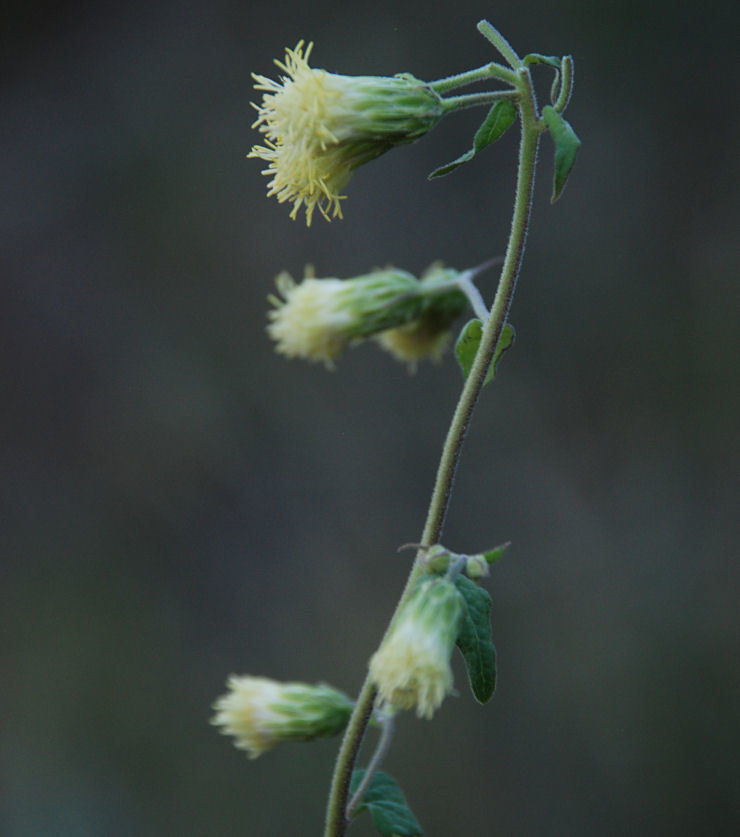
column 260, row 712
column 311, row 323
column 412, row 666
column 317, row 318
column 429, row 334
column 415, row 341
column 319, row 127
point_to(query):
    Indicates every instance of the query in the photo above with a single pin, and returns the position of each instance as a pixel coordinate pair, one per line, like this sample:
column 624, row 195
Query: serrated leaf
column 499, row 119
column 494, row 554
column 468, row 342
column 474, row 639
column 566, row 148
column 387, row 805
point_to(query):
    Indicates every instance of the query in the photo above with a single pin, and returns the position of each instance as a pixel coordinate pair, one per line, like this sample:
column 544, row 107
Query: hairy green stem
column 336, row 819
column 502, row 45
column 473, row 100
column 490, row 70
column 566, row 85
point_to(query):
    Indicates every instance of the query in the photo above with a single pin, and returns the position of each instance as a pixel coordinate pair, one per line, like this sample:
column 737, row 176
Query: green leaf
column 446, row 169
column 467, row 345
column 468, row 342
column 494, row 554
column 499, row 120
column 387, row 805
column 566, row 148
column 474, row 639
column 505, row 342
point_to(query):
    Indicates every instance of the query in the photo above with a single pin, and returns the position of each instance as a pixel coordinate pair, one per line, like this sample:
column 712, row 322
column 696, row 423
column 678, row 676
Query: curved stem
column 336, row 820
column 336, row 812
column 566, row 85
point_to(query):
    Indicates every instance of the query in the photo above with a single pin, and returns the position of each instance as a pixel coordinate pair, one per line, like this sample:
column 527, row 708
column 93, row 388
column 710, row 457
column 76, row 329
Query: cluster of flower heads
column 408, row 317
column 410, row 669
column 319, row 127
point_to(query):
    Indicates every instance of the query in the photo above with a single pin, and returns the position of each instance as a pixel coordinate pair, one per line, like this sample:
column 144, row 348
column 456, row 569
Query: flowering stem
column 531, row 127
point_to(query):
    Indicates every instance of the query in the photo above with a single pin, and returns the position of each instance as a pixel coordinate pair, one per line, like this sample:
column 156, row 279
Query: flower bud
column 476, row 567
column 412, row 665
column 319, row 127
column 260, row 712
column 436, row 559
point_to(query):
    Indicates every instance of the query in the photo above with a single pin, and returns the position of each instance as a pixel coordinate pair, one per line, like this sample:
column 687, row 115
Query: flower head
column 429, row 334
column 412, row 665
column 319, row 127
column 317, row 318
column 260, row 712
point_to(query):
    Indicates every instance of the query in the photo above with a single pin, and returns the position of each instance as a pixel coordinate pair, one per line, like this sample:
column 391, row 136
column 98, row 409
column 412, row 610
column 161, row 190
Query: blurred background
column 179, row 503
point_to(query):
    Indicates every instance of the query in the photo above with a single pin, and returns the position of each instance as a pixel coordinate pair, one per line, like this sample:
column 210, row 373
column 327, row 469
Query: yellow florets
column 294, row 116
column 246, row 713
column 319, row 127
column 410, row 671
column 260, row 713
column 311, row 323
column 412, row 666
column 415, row 341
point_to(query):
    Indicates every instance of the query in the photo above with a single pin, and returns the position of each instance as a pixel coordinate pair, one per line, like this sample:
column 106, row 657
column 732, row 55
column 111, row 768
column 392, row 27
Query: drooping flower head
column 428, row 335
column 260, row 712
column 317, row 318
column 412, row 666
column 319, row 127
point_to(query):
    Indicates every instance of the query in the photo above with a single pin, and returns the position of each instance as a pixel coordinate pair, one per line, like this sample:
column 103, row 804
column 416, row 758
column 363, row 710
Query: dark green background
column 179, row 503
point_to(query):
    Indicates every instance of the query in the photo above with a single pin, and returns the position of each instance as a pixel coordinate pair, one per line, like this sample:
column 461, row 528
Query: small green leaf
column 499, row 120
column 566, row 148
column 387, row 805
column 467, row 345
column 474, row 639
column 446, row 169
column 468, row 342
column 505, row 342
column 494, row 554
